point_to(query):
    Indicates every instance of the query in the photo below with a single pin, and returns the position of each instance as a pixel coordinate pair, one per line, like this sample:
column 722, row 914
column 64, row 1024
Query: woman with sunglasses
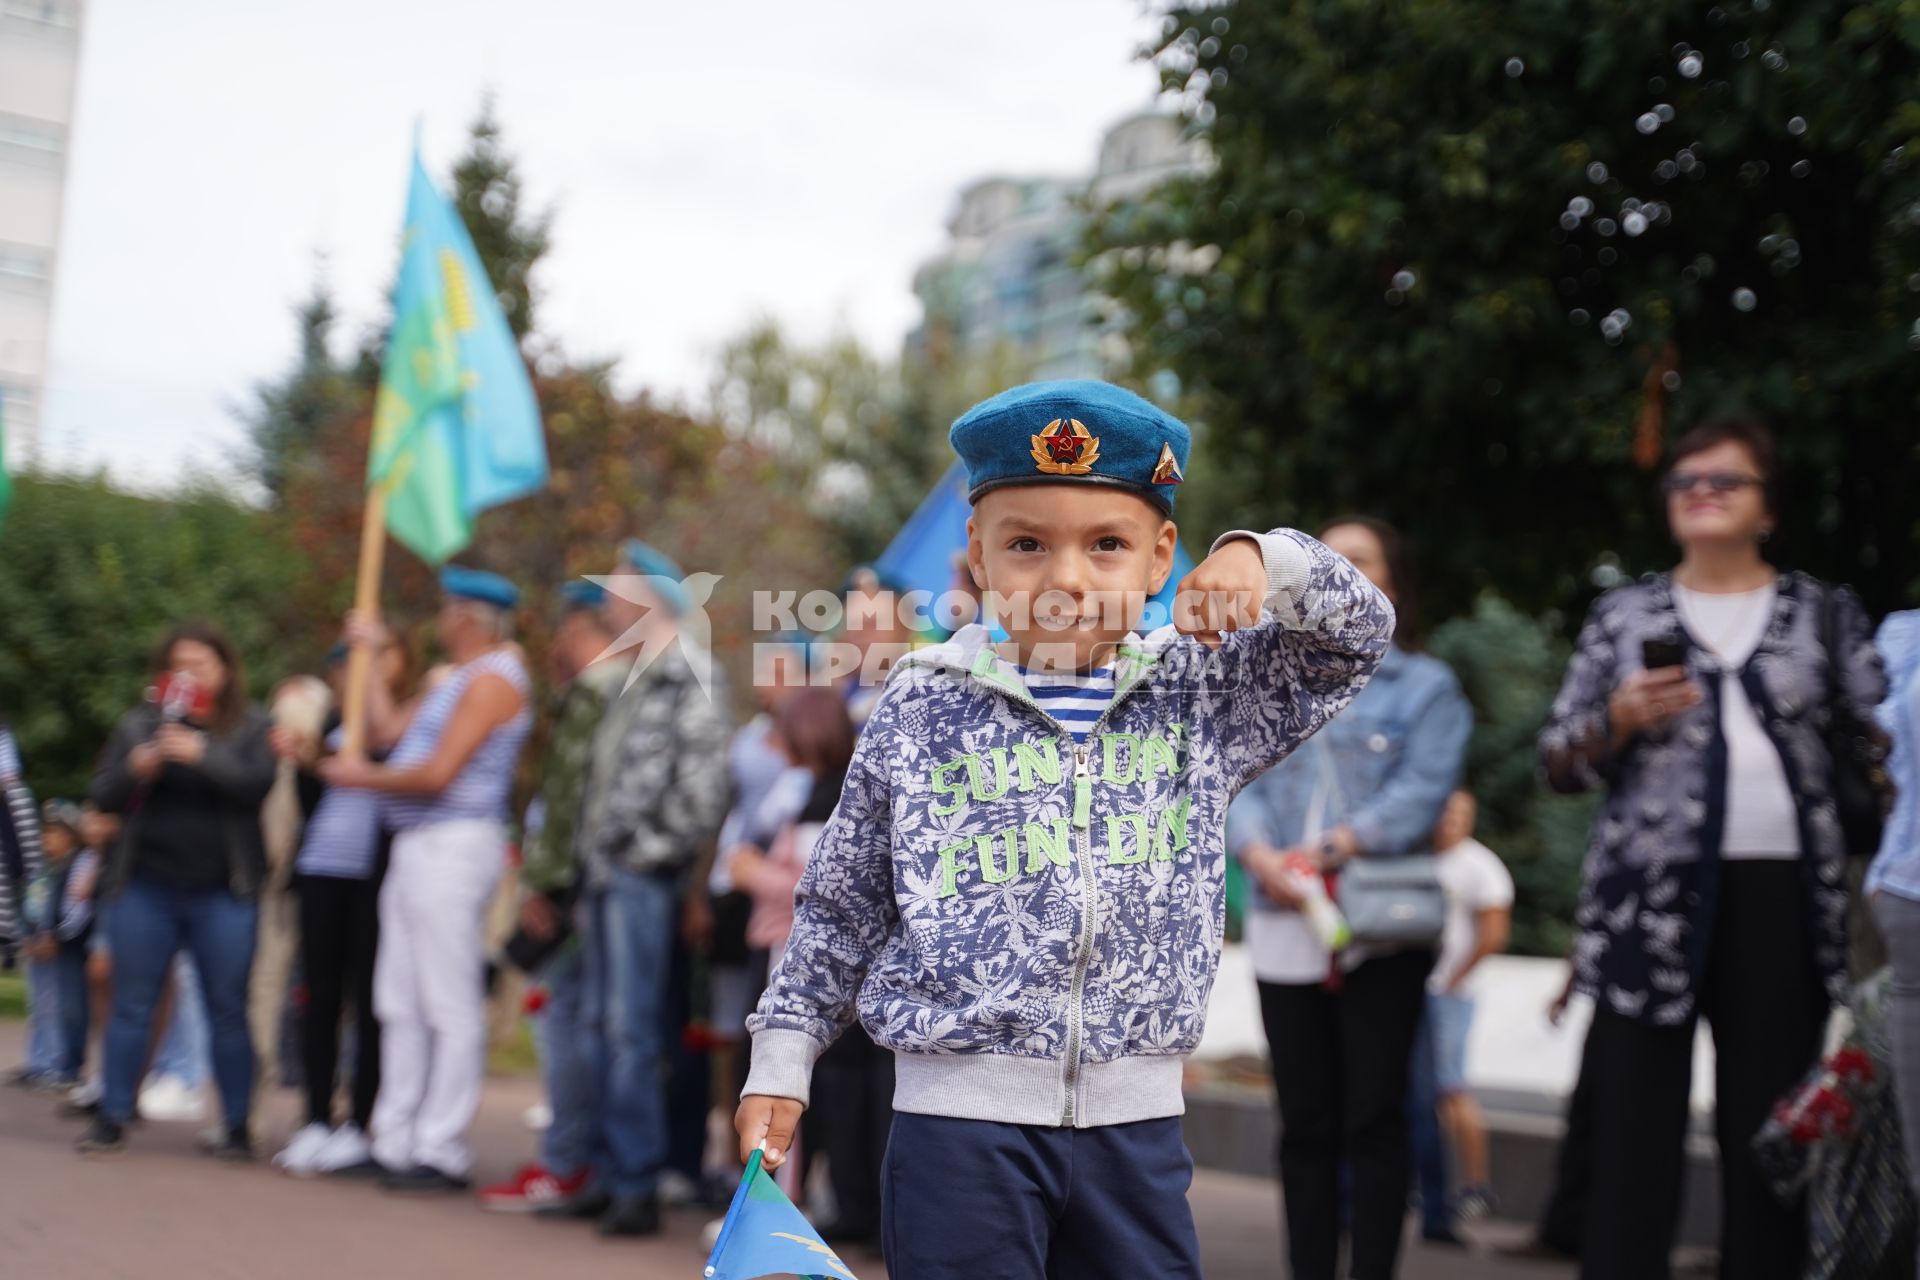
column 1715, row 883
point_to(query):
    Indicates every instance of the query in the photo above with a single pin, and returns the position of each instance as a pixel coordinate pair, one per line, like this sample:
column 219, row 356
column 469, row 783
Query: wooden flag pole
column 366, row 601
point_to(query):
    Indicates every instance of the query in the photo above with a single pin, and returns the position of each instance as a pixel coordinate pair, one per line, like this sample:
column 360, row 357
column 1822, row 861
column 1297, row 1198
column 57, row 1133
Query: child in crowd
column 1020, row 893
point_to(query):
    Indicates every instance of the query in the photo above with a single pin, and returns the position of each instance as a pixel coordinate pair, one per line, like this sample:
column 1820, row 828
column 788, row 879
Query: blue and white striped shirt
column 1077, row 699
column 342, row 838
column 481, row 788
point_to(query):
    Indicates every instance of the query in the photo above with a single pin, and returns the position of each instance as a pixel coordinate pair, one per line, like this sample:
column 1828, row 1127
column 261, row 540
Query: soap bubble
column 1744, row 299
column 1596, row 172
column 1647, row 122
column 1515, row 68
column 1634, row 223
column 1403, row 280
column 1797, row 126
column 1666, row 171
column 1605, row 226
column 1801, row 168
column 1691, row 66
column 1607, row 256
column 1664, row 111
column 1742, row 49
column 1670, row 379
column 1570, row 221
column 1773, row 59
column 1580, row 206
column 1579, row 315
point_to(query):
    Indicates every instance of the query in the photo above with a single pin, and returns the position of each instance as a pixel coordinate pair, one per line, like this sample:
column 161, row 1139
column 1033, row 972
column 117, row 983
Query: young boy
column 1020, row 893
column 71, row 907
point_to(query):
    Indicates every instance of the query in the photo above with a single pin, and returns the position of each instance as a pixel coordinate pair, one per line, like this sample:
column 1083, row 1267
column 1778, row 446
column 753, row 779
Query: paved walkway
column 162, row 1210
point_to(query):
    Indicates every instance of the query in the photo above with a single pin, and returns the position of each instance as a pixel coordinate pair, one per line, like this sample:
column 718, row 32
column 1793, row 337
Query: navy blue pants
column 979, row 1200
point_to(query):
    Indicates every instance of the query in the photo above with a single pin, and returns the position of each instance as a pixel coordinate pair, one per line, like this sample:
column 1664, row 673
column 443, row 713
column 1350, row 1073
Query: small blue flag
column 764, row 1235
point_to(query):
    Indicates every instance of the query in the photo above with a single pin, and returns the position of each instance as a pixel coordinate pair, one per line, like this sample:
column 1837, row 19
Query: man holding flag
column 456, row 430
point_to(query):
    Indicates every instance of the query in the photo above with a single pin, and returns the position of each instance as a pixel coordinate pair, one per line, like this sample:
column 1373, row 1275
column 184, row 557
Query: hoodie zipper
column 1083, row 822
column 1083, row 849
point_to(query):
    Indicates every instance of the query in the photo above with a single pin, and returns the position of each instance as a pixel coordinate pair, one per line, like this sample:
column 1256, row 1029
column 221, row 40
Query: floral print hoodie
column 1033, row 926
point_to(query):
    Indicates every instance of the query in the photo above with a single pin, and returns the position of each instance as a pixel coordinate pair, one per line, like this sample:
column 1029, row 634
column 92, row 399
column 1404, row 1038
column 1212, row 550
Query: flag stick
column 366, row 600
column 726, row 1228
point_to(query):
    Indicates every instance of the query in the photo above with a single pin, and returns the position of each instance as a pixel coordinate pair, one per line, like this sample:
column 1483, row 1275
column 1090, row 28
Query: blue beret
column 578, row 593
column 658, row 565
column 1073, row 432
column 477, row 584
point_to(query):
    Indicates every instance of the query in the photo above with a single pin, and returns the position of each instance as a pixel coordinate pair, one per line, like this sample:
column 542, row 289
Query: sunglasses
column 1680, row 482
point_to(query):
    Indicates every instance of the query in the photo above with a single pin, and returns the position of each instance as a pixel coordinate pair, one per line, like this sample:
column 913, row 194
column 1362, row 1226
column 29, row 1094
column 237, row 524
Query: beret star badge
column 1065, row 447
column 1167, row 470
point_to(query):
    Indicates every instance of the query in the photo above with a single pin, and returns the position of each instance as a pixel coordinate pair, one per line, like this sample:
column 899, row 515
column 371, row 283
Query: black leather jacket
column 240, row 764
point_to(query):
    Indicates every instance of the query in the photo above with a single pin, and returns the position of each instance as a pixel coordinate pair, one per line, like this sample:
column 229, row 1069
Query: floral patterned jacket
column 1651, row 884
column 1031, row 925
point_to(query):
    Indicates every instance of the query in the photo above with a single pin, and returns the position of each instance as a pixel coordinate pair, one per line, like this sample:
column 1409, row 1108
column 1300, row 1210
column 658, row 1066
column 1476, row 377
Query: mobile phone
column 1663, row 651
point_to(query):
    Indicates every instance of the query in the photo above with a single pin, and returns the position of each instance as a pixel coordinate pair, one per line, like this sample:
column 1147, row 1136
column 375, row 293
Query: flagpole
column 366, row 601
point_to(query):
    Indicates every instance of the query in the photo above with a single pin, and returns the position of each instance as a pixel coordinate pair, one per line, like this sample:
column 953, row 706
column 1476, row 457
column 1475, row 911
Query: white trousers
column 429, row 992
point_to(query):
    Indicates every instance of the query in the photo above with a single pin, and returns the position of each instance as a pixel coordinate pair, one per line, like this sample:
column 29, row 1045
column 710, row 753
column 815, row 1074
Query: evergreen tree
column 510, row 241
column 288, row 415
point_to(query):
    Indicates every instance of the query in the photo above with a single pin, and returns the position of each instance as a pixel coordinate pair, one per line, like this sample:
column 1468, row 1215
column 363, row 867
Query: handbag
column 1389, row 903
column 1393, row 902
column 1862, row 789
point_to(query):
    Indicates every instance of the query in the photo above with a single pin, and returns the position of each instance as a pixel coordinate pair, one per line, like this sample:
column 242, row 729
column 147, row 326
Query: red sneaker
column 531, row 1188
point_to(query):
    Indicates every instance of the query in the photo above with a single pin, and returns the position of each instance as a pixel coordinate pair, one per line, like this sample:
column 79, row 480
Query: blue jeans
column 183, row 1050
column 43, row 1018
column 628, row 940
column 75, row 1007
column 152, row 922
column 564, row 1067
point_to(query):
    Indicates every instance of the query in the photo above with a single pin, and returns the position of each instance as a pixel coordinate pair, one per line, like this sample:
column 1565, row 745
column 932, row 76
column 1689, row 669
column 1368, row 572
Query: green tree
column 287, row 416
column 1462, row 262
column 509, row 239
column 1510, row 665
column 90, row 580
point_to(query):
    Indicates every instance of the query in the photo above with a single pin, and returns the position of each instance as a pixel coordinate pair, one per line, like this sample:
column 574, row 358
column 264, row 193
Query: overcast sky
column 708, row 163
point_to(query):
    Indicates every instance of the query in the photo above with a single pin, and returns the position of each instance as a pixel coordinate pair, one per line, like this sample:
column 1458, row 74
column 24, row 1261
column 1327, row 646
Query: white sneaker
column 87, row 1093
column 538, row 1117
column 677, row 1189
column 299, row 1155
column 344, row 1148
column 170, row 1098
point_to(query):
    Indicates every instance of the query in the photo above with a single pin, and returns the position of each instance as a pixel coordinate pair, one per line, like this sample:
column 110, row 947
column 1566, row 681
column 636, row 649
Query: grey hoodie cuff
column 1287, row 568
column 782, row 1064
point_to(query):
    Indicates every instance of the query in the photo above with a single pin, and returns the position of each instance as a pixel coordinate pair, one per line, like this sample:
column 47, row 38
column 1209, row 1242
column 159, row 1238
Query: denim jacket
column 1897, row 867
column 1395, row 756
column 1032, row 925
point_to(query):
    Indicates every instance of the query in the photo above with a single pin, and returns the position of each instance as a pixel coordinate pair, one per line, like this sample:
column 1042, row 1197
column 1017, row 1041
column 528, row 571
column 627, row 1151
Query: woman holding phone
column 1701, row 700
column 187, row 770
